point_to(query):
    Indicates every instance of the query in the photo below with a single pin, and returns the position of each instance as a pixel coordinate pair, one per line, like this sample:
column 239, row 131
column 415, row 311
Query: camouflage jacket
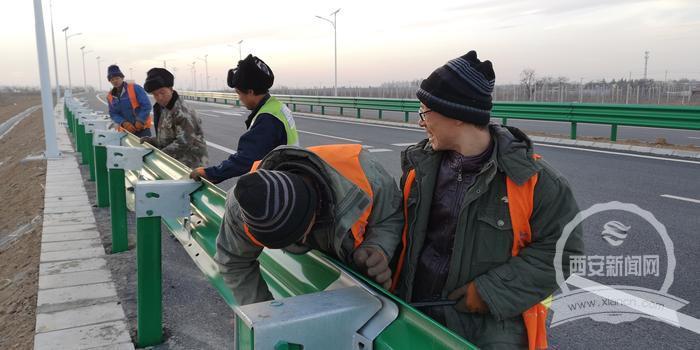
column 179, row 134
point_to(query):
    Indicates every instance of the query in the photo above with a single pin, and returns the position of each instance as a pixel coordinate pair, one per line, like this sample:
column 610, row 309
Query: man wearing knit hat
column 178, row 128
column 129, row 106
column 484, row 215
column 270, row 124
column 337, row 199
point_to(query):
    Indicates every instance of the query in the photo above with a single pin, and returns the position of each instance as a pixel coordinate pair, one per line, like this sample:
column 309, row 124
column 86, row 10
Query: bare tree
column 527, row 79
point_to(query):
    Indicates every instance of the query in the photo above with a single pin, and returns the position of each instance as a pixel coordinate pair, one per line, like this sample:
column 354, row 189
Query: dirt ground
column 22, row 203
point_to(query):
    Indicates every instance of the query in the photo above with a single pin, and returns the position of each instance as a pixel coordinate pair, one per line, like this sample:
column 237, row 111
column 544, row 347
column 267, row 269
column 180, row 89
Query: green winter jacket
column 484, row 237
column 343, row 203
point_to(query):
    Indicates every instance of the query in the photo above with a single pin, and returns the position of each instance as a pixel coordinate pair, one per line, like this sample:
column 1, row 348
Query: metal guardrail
column 287, row 275
column 668, row 117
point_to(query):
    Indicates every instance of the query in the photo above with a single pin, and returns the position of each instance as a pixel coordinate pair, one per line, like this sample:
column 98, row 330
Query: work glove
column 374, row 264
column 148, row 139
column 469, row 299
column 138, row 126
column 128, row 127
column 198, row 174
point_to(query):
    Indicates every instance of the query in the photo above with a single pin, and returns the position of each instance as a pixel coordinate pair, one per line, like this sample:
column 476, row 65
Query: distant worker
column 129, row 106
column 178, row 129
column 337, row 199
column 270, row 124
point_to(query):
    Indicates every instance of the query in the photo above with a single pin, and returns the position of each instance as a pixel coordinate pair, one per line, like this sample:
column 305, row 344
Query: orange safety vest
column 131, row 92
column 345, row 159
column 520, row 204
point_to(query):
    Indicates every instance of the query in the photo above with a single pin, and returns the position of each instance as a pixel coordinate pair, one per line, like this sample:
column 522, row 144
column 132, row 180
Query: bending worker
column 178, row 128
column 337, row 199
column 270, row 124
column 129, row 106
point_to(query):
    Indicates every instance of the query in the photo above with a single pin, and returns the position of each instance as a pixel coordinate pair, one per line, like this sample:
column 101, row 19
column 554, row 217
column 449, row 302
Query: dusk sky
column 377, row 41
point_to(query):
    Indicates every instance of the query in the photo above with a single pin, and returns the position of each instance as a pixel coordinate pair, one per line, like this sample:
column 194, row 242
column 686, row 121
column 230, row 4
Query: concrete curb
column 77, row 302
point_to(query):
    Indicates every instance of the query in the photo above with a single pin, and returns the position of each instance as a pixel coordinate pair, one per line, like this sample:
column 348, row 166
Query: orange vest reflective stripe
column 131, row 92
column 345, row 159
column 520, row 204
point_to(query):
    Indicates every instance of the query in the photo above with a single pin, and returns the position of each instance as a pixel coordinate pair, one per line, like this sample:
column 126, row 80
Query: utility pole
column 55, row 61
column 45, row 78
column 82, row 50
column 335, row 47
column 646, row 62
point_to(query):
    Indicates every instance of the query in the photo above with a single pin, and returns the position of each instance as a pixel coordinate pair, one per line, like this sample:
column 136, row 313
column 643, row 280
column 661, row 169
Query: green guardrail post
column 405, row 117
column 80, row 141
column 312, row 108
column 154, row 200
column 225, row 101
column 119, row 159
column 359, row 111
column 573, row 130
column 90, row 155
column 323, row 110
column 294, row 107
column 149, row 313
column 613, row 133
column 341, row 111
column 504, row 121
column 238, row 103
column 380, row 114
column 104, row 138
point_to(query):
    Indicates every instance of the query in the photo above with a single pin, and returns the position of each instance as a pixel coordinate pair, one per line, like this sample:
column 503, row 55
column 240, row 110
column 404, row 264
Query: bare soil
column 22, row 203
column 660, row 142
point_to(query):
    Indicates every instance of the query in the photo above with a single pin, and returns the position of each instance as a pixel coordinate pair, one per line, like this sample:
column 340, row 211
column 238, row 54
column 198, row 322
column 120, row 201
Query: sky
column 377, row 41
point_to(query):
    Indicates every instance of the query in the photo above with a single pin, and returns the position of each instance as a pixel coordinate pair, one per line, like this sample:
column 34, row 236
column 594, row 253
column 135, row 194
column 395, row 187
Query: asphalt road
column 666, row 188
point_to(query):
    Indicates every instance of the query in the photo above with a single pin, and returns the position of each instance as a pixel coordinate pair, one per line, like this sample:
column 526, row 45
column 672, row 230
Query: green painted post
column 225, row 101
column 573, row 130
column 323, row 110
column 504, row 121
column 613, row 133
column 80, row 142
column 341, row 111
column 117, row 200
column 101, row 176
column 358, row 113
column 90, row 154
column 405, row 117
column 149, row 302
column 312, row 108
column 380, row 114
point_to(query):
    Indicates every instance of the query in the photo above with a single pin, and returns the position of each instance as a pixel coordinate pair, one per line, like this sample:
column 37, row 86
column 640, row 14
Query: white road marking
column 681, row 198
column 406, row 144
column 329, row 136
column 634, row 302
column 375, row 150
column 693, row 137
column 619, row 153
column 367, row 146
column 210, row 115
column 100, row 99
column 220, row 147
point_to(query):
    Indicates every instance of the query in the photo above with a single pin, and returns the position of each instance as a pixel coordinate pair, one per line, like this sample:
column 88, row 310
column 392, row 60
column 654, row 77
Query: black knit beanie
column 461, row 89
column 157, row 78
column 277, row 206
column 251, row 73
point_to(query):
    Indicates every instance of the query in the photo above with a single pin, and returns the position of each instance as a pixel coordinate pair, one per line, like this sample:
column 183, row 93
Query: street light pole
column 206, row 69
column 99, row 72
column 65, row 33
column 55, row 61
column 45, row 79
column 82, row 50
column 194, row 75
column 335, row 48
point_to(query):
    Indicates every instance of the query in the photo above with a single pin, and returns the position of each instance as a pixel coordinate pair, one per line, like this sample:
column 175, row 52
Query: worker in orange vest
column 129, row 106
column 483, row 216
column 337, row 199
